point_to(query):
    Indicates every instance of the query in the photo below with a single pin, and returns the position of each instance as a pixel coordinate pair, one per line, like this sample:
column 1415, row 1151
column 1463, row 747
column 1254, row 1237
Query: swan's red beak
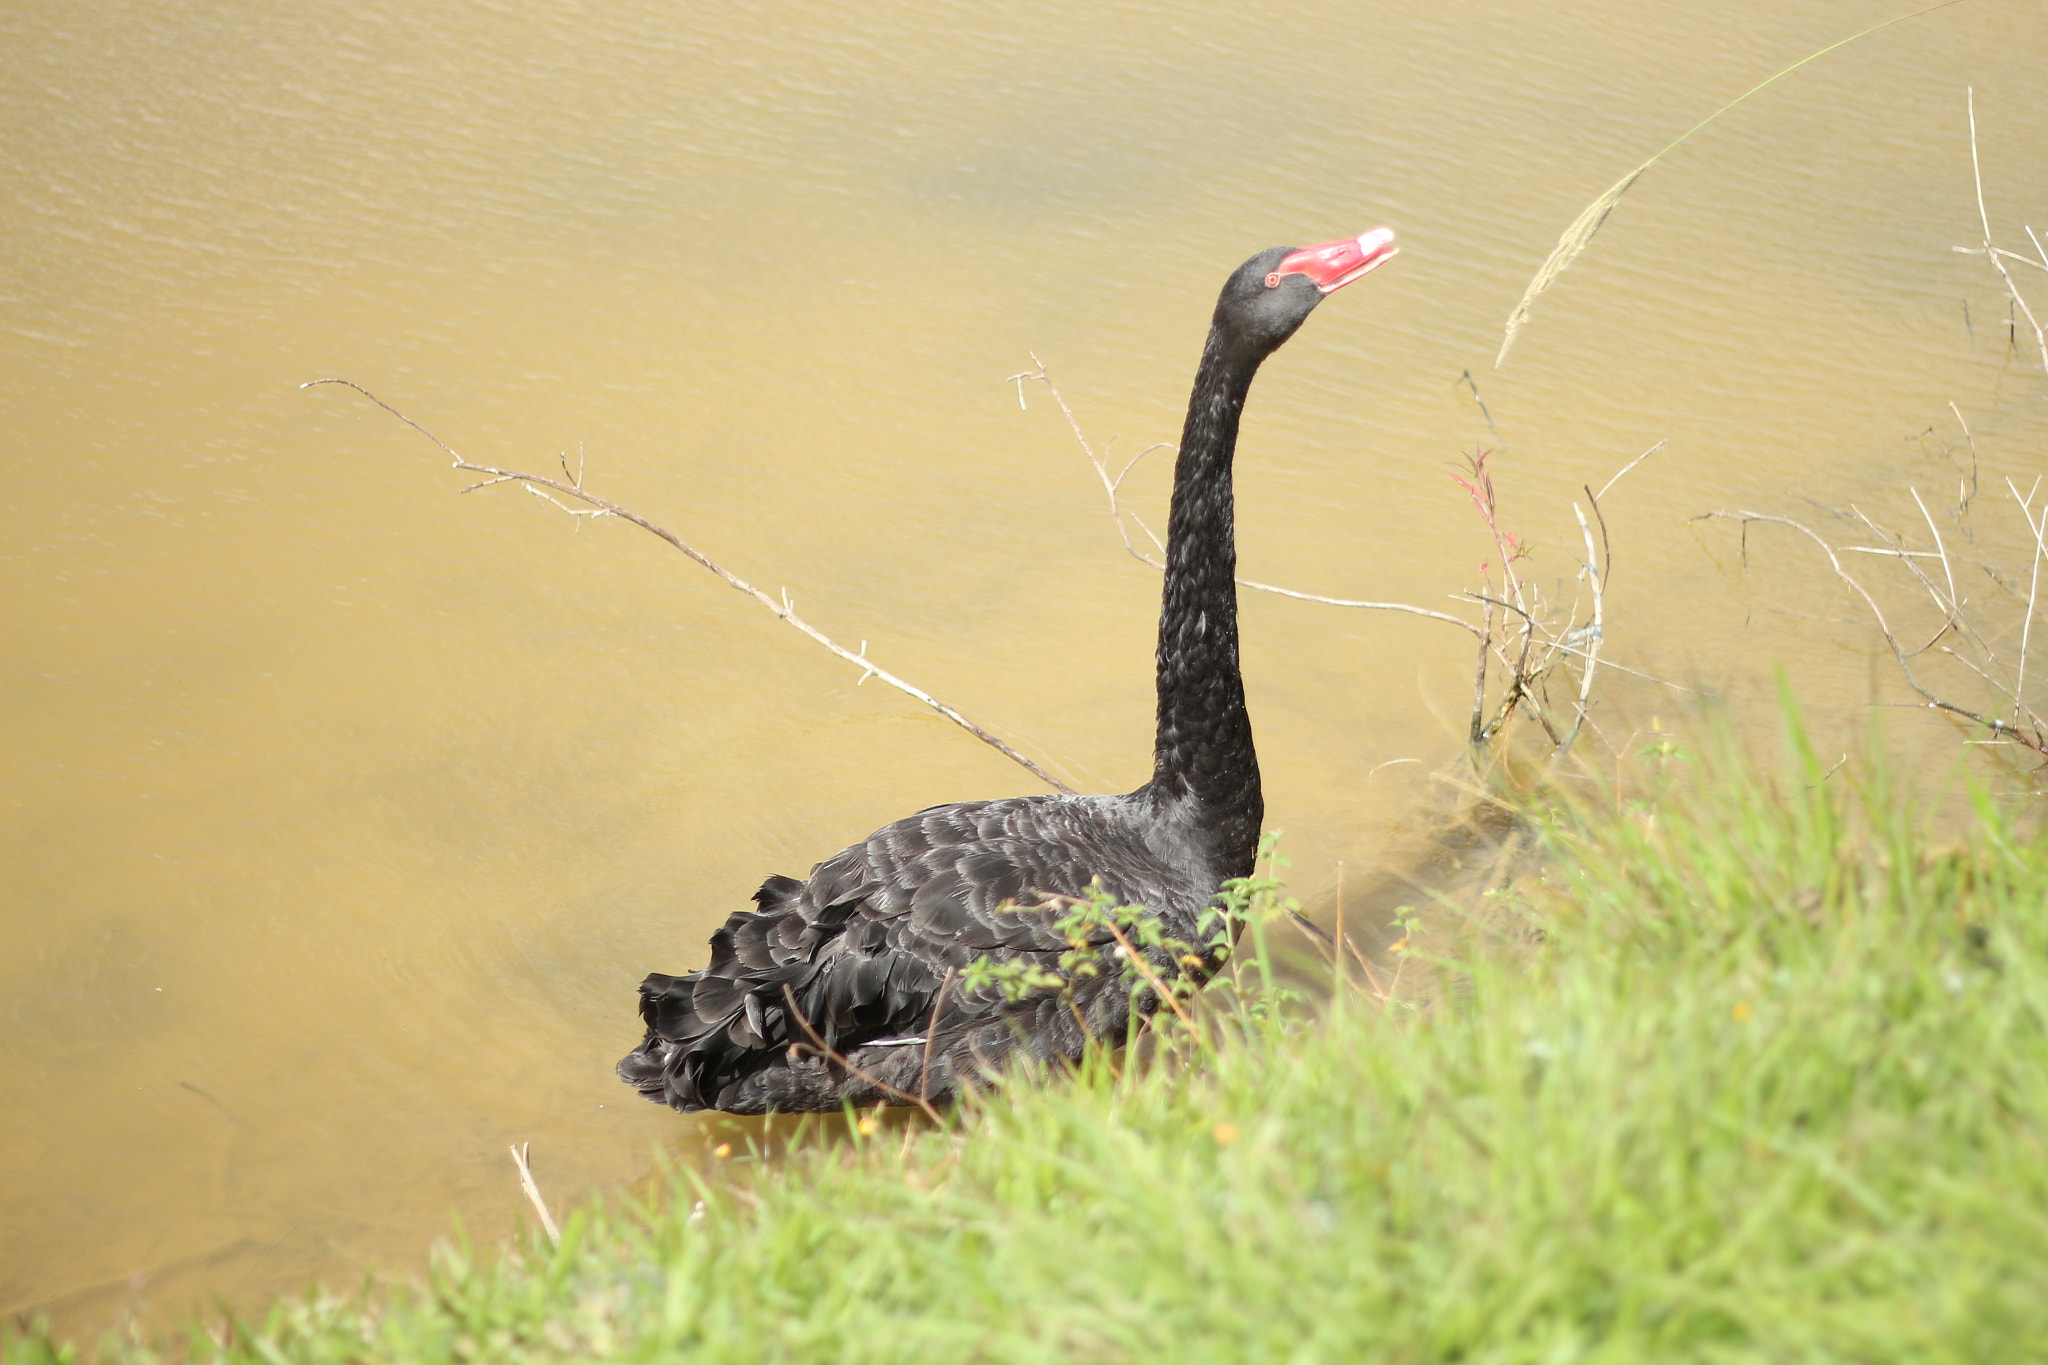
column 1335, row 264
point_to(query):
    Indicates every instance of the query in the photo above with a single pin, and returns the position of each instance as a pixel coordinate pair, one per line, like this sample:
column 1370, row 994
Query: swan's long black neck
column 1203, row 760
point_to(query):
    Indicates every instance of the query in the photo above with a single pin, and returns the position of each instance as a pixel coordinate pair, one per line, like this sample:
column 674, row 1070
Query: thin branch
column 1991, row 252
column 1906, row 557
column 2034, row 578
column 1469, row 382
column 1564, row 647
column 1113, row 487
column 1952, row 618
column 1626, row 468
column 1527, row 655
column 924, row 1071
column 1446, row 617
column 1966, row 662
column 1888, row 553
column 1477, row 736
column 597, row 506
column 1606, row 549
column 2013, row 255
column 1310, row 930
column 1971, row 496
column 833, row 1053
column 1101, row 466
column 1372, row 978
column 1137, row 959
column 1594, row 632
column 2035, row 741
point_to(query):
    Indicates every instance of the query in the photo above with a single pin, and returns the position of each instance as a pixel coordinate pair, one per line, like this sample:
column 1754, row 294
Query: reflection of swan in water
column 870, row 946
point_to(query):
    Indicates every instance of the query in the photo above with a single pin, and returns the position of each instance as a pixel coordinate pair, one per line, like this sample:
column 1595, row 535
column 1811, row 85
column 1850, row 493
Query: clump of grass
column 1765, row 1079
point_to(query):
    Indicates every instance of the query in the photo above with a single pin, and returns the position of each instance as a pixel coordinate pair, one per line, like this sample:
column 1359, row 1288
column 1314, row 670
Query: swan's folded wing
column 864, row 944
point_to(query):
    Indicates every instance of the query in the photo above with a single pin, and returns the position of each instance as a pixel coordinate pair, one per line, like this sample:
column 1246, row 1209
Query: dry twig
column 1591, row 633
column 845, row 1064
column 1114, row 485
column 931, row 1031
column 572, row 487
column 1998, row 255
column 2031, row 732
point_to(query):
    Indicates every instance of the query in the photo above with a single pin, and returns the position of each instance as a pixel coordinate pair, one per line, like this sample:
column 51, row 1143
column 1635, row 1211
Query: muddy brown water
column 343, row 812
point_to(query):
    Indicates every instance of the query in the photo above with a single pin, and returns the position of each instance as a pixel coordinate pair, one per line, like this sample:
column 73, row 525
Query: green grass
column 1753, row 1071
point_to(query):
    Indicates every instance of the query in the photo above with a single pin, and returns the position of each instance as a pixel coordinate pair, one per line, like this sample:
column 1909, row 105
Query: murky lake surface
column 343, row 813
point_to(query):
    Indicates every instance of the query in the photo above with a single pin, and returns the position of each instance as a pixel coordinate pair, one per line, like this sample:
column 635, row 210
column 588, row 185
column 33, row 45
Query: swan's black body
column 870, row 947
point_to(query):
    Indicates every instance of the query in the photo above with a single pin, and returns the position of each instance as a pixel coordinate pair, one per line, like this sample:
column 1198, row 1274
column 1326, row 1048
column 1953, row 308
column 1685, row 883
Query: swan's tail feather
column 666, row 1008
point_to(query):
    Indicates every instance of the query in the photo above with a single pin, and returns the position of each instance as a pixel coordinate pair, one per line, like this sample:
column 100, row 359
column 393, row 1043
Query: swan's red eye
column 1273, row 280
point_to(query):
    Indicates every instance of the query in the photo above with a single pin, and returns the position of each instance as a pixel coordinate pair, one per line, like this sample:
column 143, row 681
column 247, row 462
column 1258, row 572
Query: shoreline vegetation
column 1747, row 1067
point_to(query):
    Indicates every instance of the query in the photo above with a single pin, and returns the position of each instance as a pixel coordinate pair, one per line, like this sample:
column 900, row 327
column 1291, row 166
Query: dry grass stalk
column 1579, row 235
column 526, row 1183
column 571, row 486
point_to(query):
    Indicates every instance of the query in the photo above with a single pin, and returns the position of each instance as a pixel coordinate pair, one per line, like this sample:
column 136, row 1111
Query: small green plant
column 1015, row 979
column 1104, row 937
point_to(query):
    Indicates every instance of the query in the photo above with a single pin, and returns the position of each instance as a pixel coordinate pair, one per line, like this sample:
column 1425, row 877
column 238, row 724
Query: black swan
column 870, row 948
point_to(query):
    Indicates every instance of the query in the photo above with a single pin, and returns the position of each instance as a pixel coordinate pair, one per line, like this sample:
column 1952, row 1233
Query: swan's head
column 1272, row 293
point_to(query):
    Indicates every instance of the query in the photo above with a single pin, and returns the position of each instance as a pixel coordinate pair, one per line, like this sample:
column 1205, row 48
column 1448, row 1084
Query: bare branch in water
column 1996, row 255
column 1110, row 485
column 542, row 486
column 2032, row 733
column 1623, row 470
